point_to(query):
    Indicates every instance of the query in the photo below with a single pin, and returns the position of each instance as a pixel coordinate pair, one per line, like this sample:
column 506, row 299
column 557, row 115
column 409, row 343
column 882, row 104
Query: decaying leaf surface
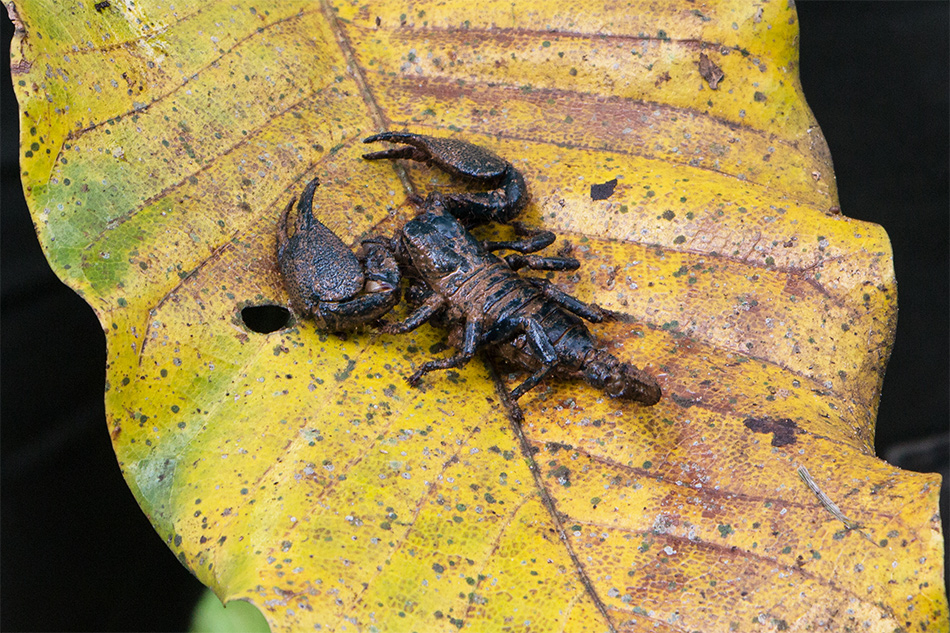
column 298, row 470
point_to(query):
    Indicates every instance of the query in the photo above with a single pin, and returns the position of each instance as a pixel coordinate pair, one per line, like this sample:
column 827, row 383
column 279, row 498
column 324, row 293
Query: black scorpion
column 454, row 277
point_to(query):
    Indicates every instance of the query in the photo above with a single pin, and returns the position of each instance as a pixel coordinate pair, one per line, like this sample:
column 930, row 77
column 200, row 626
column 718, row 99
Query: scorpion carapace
column 456, row 278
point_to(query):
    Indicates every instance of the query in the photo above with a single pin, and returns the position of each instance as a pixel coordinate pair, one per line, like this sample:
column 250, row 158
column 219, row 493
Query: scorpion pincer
column 455, row 278
column 325, row 280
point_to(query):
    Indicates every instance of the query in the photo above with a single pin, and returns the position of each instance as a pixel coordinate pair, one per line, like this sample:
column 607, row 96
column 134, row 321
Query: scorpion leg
column 589, row 311
column 540, row 344
column 470, row 339
column 536, row 262
column 465, row 160
column 420, row 315
column 534, row 242
column 531, row 381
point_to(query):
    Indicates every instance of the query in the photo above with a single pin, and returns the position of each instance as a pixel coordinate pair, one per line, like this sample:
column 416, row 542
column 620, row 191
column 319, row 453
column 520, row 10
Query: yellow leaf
column 297, row 470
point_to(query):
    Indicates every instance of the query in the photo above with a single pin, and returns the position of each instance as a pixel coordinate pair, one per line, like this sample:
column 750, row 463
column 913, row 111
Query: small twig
column 830, row 506
column 825, row 501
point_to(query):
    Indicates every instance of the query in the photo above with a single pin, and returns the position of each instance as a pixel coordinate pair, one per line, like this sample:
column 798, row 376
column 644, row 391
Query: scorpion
column 454, row 278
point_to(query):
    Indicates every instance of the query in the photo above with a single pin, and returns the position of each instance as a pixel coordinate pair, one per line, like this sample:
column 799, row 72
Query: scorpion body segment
column 457, row 278
column 529, row 322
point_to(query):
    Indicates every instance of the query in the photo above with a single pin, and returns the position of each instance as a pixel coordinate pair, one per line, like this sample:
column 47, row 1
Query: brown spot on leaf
column 683, row 401
column 784, row 430
column 561, row 474
column 20, row 67
column 710, row 71
column 603, row 191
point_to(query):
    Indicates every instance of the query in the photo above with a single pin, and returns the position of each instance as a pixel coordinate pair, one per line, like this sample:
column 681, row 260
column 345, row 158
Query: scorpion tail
column 621, row 380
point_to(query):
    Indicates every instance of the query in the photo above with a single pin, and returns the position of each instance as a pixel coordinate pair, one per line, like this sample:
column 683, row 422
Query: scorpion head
column 621, row 380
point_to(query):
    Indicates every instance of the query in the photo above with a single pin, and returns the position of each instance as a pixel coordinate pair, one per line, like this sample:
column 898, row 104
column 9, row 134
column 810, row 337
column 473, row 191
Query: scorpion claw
column 399, row 152
column 466, row 160
column 454, row 156
column 325, row 279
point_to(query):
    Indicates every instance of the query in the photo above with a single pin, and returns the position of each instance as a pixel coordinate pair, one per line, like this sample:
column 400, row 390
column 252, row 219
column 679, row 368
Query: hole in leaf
column 266, row 318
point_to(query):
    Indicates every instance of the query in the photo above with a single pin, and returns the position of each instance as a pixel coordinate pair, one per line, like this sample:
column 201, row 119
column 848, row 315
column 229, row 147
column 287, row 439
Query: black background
column 78, row 554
